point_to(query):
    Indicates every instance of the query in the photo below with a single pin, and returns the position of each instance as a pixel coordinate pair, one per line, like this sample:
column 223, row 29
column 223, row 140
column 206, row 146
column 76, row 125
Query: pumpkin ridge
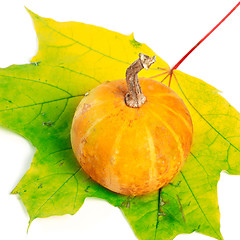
column 116, row 144
column 160, row 95
column 153, row 158
column 175, row 136
column 178, row 115
column 89, row 131
column 113, row 160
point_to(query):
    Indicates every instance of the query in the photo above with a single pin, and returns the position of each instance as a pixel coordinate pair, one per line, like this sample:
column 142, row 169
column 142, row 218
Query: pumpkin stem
column 135, row 98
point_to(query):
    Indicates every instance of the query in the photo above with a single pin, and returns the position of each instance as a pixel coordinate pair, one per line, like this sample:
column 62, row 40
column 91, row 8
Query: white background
column 170, row 28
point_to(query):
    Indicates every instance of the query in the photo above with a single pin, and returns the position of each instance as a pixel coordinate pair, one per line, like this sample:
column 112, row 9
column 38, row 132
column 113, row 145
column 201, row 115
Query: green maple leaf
column 38, row 101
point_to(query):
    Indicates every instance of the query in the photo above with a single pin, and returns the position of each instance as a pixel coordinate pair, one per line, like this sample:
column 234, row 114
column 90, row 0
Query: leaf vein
column 71, row 70
column 36, row 180
column 39, row 112
column 35, row 81
column 202, row 168
column 84, row 45
column 158, row 211
column 75, row 199
column 46, row 102
column 50, row 198
column 63, row 110
column 205, row 118
column 195, row 198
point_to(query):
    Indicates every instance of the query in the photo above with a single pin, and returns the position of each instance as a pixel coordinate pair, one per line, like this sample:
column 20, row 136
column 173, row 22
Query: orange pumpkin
column 131, row 150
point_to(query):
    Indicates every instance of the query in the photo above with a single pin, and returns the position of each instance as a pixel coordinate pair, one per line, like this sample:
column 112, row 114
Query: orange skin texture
column 131, row 151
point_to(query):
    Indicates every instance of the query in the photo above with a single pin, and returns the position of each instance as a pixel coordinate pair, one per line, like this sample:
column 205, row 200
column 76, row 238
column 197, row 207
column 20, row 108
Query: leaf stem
column 184, row 57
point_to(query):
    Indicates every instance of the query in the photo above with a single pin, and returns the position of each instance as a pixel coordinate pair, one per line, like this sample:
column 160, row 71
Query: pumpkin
column 130, row 139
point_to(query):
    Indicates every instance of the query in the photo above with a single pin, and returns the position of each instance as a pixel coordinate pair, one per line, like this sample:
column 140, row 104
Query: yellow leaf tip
column 131, row 35
column 133, row 41
column 14, row 191
column 31, row 13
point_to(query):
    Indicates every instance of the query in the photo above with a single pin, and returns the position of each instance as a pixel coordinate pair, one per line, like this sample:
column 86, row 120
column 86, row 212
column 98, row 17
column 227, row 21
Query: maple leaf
column 38, row 101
